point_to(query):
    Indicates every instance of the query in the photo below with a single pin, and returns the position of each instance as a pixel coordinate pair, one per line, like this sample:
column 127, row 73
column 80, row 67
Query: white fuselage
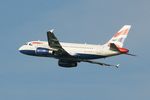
column 81, row 51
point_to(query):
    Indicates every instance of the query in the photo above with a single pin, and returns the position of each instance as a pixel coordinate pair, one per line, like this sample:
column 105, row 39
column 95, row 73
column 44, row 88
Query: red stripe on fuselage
column 37, row 43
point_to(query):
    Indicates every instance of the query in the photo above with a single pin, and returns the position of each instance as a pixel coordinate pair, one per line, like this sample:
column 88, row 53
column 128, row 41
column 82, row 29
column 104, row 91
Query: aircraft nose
column 28, row 50
column 21, row 49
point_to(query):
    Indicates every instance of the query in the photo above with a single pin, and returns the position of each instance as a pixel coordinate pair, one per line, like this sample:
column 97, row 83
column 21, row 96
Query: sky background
column 92, row 21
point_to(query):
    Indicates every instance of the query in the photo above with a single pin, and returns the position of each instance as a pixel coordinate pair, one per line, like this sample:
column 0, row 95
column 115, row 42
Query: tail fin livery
column 120, row 36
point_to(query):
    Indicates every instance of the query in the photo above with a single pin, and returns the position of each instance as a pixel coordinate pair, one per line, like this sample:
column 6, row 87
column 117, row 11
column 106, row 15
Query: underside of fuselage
column 77, row 56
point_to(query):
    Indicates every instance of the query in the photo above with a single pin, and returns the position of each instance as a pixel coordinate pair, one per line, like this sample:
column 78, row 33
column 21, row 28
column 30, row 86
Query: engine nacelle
column 43, row 51
column 67, row 64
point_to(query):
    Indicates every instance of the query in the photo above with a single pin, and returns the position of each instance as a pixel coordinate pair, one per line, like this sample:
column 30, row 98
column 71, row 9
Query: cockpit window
column 30, row 44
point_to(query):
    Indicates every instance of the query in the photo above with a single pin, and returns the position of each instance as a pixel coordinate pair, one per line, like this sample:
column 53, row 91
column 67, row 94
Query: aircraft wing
column 55, row 44
column 99, row 63
column 52, row 40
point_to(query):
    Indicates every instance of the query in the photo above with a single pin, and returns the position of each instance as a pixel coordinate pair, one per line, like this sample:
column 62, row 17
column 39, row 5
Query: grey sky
column 91, row 21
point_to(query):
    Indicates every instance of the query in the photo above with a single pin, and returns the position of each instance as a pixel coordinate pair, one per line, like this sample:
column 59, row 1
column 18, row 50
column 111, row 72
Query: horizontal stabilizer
column 131, row 54
column 113, row 47
column 121, row 50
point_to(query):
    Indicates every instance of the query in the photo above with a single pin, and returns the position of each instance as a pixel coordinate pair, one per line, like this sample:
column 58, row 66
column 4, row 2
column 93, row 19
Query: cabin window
column 30, row 44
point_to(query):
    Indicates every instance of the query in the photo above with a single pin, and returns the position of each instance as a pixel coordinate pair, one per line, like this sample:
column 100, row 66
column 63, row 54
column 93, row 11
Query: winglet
column 117, row 66
column 52, row 30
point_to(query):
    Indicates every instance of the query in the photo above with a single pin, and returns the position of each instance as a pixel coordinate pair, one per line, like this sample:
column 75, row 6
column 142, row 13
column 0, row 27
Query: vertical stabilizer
column 119, row 38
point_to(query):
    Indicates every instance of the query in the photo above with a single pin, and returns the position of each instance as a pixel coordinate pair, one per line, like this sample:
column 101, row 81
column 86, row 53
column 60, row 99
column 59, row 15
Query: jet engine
column 67, row 64
column 44, row 51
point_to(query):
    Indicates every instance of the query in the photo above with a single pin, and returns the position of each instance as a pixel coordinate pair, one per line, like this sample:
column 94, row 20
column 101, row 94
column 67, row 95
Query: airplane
column 70, row 54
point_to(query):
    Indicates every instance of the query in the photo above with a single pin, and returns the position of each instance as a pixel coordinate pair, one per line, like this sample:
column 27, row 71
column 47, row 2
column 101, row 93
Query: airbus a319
column 70, row 54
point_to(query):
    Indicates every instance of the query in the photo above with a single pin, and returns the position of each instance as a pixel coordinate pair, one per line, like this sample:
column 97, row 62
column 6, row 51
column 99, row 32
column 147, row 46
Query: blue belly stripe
column 28, row 52
column 88, row 56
